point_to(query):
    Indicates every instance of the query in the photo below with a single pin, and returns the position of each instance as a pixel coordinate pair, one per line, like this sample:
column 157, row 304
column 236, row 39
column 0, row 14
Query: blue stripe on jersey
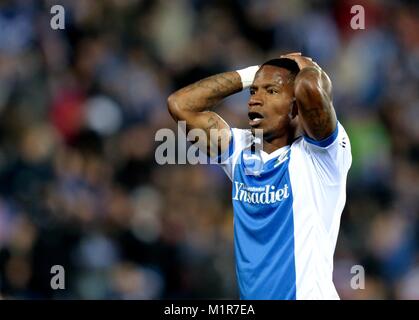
column 326, row 141
column 264, row 231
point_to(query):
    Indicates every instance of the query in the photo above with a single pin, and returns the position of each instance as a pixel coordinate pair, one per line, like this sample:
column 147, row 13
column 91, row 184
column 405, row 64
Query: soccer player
column 289, row 194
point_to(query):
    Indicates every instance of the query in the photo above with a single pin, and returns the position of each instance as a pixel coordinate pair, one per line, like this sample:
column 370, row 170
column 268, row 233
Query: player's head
column 272, row 103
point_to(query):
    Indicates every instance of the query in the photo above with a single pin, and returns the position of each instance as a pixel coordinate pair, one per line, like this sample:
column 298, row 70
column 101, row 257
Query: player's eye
column 272, row 91
column 252, row 91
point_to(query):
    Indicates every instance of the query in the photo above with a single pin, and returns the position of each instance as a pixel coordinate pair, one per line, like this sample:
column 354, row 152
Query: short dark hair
column 285, row 63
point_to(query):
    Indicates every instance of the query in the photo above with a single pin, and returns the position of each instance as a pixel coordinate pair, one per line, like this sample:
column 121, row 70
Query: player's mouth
column 255, row 118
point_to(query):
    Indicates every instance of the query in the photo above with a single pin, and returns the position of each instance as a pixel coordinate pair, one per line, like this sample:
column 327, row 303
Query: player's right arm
column 194, row 103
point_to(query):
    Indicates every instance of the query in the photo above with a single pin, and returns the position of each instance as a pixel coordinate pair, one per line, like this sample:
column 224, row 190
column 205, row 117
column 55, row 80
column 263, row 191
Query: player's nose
column 255, row 101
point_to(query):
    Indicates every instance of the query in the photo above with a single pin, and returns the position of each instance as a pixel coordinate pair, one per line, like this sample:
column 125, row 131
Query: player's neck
column 275, row 144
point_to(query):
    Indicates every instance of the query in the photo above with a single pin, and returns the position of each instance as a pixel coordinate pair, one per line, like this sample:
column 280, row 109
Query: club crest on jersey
column 267, row 194
column 252, row 163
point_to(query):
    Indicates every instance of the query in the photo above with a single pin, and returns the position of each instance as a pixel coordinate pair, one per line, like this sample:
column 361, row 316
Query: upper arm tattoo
column 319, row 121
column 194, row 102
column 212, row 123
column 315, row 105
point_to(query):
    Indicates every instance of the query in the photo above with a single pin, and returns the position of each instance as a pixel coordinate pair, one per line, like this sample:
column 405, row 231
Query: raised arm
column 194, row 102
column 313, row 93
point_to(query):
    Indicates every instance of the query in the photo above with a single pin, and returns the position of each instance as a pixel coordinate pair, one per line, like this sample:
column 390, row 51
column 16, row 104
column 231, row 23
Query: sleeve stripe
column 326, row 141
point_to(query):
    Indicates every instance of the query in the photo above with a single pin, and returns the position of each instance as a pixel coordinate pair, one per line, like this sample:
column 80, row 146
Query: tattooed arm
column 313, row 93
column 193, row 103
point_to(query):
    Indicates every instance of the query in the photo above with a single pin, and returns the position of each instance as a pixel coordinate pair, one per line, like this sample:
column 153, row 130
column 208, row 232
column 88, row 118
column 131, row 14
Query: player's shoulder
column 241, row 133
column 241, row 138
column 338, row 137
column 330, row 158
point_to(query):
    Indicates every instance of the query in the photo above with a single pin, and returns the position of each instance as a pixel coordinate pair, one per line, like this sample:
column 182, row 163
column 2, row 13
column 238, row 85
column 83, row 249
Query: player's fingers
column 305, row 58
column 296, row 57
column 291, row 55
column 308, row 60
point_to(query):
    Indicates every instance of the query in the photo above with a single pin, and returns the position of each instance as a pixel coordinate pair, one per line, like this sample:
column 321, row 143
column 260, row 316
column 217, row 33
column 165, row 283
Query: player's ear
column 294, row 108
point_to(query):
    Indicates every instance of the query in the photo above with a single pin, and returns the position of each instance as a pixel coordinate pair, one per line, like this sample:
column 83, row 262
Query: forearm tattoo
column 207, row 92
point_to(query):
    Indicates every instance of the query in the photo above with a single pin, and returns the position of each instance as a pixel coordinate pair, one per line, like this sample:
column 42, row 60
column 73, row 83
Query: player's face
column 271, row 101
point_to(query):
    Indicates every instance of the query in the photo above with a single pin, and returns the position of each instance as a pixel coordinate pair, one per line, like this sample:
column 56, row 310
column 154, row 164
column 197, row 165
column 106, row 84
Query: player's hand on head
column 306, row 62
column 302, row 61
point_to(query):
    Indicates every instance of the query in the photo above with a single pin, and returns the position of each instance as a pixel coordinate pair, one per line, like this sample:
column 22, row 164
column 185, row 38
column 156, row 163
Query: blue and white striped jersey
column 287, row 210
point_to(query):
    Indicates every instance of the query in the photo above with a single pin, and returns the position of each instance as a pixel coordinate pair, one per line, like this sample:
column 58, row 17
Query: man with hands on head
column 289, row 198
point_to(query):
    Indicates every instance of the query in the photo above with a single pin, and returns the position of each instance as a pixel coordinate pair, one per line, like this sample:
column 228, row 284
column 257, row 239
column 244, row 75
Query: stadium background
column 79, row 108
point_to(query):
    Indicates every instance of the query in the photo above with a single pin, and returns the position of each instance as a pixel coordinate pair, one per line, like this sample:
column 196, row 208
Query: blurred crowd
column 80, row 107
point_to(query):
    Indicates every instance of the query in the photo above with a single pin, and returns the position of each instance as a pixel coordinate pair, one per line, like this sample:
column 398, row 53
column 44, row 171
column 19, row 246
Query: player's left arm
column 313, row 93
